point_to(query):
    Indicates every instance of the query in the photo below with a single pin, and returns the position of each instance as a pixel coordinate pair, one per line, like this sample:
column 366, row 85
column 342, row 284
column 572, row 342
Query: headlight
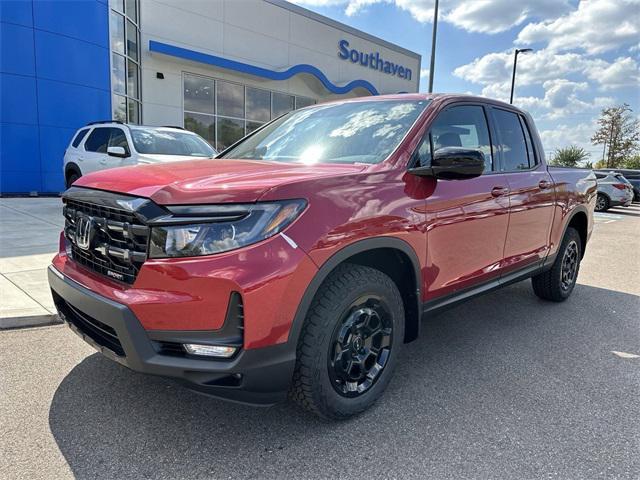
column 217, row 229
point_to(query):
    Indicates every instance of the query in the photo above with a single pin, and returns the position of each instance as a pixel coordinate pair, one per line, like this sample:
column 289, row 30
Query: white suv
column 102, row 145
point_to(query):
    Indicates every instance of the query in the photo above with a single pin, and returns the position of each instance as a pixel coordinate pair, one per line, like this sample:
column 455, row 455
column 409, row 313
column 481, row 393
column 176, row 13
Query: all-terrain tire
column 551, row 285
column 312, row 386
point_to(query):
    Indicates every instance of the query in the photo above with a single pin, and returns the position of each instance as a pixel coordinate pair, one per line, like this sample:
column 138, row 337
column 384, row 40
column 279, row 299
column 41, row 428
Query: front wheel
column 557, row 283
column 349, row 343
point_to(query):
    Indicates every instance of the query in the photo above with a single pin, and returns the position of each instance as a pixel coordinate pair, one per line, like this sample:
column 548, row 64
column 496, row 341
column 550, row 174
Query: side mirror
column 117, row 152
column 453, row 163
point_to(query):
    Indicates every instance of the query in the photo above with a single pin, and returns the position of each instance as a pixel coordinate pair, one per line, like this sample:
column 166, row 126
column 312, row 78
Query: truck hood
column 148, row 158
column 208, row 181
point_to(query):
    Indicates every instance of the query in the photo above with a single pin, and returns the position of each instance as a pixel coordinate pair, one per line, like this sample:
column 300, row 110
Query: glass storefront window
column 281, row 103
column 230, row 99
column 131, row 9
column 229, row 131
column 125, row 57
column 119, row 107
column 133, row 108
column 258, row 104
column 203, row 125
column 302, row 102
column 117, row 32
column 251, row 126
column 132, row 40
column 117, row 74
column 132, row 79
column 198, row 94
column 117, row 5
column 223, row 112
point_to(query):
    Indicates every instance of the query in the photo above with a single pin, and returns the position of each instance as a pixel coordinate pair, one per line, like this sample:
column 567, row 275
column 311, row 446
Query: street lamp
column 515, row 62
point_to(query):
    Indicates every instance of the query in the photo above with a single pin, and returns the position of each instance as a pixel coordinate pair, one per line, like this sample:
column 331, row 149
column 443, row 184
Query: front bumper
column 258, row 376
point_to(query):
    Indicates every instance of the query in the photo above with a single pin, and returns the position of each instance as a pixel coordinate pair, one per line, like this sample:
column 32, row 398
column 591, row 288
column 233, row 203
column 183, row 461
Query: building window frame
column 119, row 8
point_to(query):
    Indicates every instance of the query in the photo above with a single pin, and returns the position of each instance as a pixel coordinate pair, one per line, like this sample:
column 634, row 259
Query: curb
column 25, row 322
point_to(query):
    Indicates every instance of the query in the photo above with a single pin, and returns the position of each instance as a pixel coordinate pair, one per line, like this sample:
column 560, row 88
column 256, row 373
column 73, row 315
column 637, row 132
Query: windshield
column 352, row 132
column 170, row 142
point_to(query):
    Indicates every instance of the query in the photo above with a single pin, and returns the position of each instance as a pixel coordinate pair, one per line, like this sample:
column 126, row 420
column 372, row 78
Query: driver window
column 463, row 126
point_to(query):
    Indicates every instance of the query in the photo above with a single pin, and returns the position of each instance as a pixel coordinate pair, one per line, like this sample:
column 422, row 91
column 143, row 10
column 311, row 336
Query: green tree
column 619, row 132
column 632, row 162
column 570, row 156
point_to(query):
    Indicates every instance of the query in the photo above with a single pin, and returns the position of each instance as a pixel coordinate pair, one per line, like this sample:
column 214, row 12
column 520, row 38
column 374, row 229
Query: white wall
column 255, row 32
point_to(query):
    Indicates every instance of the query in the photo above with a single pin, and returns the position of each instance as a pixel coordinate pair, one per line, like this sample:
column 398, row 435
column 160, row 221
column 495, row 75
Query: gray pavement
column 29, row 232
column 504, row 386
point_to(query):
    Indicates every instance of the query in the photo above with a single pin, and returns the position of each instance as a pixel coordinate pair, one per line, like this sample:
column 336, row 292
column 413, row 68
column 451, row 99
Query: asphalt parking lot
column 504, row 386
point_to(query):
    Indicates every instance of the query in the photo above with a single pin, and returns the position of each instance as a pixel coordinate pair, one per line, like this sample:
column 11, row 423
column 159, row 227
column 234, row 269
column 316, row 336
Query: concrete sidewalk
column 29, row 232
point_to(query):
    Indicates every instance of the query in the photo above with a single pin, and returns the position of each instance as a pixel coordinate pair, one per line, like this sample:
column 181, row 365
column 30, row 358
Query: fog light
column 209, row 350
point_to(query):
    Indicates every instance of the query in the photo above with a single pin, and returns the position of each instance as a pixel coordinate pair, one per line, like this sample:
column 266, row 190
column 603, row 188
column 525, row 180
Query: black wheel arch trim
column 341, row 256
column 71, row 167
column 548, row 262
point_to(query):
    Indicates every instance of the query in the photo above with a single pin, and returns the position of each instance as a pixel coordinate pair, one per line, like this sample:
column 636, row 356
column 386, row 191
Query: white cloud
column 424, row 73
column 533, row 68
column 623, row 72
column 492, row 16
column 562, row 98
column 486, row 16
column 596, row 26
column 564, row 135
column 493, row 70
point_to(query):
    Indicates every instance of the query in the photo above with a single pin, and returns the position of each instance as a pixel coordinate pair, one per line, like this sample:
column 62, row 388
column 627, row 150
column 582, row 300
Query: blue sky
column 587, row 53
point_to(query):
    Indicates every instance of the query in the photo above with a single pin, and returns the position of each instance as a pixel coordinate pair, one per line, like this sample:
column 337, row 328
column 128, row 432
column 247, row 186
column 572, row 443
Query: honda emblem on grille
column 84, row 232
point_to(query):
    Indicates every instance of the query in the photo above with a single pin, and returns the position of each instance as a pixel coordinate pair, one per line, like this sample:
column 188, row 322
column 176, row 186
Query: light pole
column 515, row 63
column 433, row 46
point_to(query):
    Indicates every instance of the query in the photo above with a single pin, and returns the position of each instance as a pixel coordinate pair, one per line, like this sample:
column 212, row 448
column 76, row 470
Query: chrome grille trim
column 119, row 238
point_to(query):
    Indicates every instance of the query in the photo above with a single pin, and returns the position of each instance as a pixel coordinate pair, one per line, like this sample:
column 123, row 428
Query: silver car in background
column 613, row 190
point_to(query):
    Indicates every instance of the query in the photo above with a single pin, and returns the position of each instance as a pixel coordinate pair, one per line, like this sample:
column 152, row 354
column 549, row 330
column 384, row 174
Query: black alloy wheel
column 569, row 270
column 360, row 347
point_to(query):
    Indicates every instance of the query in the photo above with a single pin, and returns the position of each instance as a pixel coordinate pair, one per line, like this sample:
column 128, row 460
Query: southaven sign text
column 372, row 60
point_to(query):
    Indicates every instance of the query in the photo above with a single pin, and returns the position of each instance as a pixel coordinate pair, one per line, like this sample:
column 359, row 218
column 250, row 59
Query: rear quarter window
column 79, row 136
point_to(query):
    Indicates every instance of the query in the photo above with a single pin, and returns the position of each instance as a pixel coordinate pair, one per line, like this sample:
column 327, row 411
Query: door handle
column 544, row 184
column 499, row 191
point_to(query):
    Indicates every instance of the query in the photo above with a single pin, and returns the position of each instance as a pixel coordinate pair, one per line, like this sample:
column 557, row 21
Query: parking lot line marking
column 625, row 354
column 610, row 216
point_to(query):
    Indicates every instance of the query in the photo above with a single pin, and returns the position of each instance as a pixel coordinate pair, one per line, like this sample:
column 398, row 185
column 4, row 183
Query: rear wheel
column 557, row 283
column 602, row 203
column 349, row 343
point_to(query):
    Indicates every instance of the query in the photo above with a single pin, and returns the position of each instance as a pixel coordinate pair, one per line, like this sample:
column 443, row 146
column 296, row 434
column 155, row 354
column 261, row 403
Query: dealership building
column 220, row 68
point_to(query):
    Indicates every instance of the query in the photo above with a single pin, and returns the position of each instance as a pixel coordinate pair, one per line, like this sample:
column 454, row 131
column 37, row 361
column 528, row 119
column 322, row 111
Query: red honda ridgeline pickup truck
column 303, row 257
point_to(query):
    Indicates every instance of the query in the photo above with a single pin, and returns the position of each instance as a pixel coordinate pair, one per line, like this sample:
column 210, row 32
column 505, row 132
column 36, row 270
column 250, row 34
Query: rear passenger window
column 463, row 126
column 81, row 134
column 512, row 141
column 98, row 140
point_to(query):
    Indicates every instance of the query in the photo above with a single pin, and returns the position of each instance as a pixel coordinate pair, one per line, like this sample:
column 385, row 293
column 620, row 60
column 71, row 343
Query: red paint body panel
column 193, row 294
column 467, row 228
column 461, row 234
column 531, row 211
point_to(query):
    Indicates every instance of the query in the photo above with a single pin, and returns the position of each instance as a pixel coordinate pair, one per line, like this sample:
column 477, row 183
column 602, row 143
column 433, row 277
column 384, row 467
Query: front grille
column 117, row 245
column 99, row 332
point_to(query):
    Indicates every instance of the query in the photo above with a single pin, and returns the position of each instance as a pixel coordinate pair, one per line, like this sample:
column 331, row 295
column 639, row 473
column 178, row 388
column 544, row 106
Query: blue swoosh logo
column 200, row 57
